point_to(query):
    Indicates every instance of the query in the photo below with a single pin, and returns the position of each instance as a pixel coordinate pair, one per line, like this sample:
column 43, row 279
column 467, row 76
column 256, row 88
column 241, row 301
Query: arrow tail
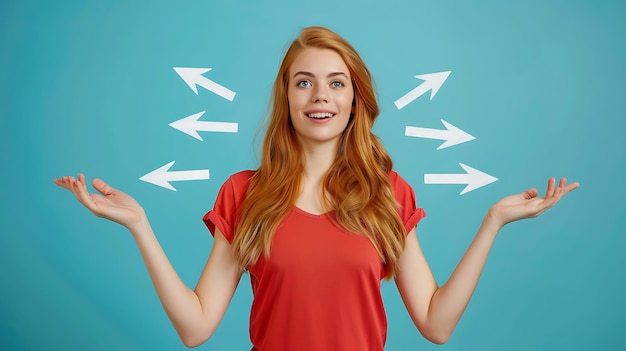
column 224, row 127
column 418, row 132
column 216, row 88
column 446, row 179
column 410, row 96
column 200, row 174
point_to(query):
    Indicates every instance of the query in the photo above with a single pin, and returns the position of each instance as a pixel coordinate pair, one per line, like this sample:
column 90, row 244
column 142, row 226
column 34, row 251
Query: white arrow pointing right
column 452, row 135
column 162, row 177
column 473, row 178
column 191, row 126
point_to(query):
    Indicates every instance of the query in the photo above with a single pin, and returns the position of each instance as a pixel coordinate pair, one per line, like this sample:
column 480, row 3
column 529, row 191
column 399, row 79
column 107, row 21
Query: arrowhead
column 188, row 125
column 434, row 81
column 159, row 177
column 455, row 136
column 191, row 76
column 476, row 179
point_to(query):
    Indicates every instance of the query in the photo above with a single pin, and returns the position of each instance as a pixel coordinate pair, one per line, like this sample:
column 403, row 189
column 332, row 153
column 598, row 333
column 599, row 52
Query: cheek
column 295, row 100
column 348, row 102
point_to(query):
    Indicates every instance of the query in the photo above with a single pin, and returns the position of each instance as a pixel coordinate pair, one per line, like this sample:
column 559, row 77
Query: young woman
column 318, row 225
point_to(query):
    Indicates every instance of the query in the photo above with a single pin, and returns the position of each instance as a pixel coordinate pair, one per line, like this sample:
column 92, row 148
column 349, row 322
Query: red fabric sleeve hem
column 415, row 218
column 212, row 220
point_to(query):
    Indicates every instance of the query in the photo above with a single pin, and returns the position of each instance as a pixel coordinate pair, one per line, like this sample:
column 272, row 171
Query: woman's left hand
column 527, row 204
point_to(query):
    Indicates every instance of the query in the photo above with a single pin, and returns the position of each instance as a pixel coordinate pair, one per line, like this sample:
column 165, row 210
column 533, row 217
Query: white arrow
column 162, row 177
column 194, row 76
column 473, row 178
column 191, row 126
column 452, row 135
column 432, row 82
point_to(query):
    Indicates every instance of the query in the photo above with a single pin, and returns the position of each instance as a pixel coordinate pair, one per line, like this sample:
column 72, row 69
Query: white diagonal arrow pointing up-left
column 194, row 76
column 162, row 177
column 473, row 178
column 452, row 135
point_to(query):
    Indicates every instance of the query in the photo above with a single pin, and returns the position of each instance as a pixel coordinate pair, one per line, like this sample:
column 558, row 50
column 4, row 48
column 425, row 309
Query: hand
column 527, row 204
column 112, row 204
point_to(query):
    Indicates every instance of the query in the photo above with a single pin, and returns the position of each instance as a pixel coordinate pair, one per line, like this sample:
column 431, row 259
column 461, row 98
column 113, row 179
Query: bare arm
column 437, row 310
column 194, row 314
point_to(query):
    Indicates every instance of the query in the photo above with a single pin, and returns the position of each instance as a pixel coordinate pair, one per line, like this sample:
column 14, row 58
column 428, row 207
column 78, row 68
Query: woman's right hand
column 112, row 204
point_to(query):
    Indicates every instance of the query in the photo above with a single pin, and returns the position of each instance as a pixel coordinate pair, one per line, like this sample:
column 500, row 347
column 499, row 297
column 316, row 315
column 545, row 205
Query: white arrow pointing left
column 452, row 135
column 432, row 82
column 473, row 178
column 194, row 76
column 191, row 126
column 162, row 177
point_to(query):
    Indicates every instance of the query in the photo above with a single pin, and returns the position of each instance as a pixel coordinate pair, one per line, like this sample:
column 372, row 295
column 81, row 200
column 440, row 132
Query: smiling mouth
column 320, row 115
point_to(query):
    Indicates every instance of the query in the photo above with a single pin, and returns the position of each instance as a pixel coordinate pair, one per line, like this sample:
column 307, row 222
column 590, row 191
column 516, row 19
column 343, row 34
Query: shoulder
column 241, row 178
column 236, row 185
column 397, row 182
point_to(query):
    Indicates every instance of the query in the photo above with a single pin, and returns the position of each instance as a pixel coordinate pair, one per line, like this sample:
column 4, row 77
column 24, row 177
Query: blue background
column 88, row 86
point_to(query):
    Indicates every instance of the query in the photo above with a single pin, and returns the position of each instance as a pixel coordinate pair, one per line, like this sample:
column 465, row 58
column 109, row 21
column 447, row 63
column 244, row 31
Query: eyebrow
column 309, row 74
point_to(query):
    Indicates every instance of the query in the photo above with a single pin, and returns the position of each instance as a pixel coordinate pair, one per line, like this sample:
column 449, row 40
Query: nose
column 320, row 94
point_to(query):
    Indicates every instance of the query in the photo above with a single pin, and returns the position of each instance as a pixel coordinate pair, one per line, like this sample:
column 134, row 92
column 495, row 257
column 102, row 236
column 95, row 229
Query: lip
column 319, row 111
column 320, row 120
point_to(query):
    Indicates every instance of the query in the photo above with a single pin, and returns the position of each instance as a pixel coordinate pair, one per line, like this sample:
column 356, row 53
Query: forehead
column 319, row 62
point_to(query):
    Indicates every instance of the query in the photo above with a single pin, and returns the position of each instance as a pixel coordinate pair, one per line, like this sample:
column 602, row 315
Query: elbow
column 191, row 342
column 438, row 337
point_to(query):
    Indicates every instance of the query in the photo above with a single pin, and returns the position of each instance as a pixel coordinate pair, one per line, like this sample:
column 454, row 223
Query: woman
column 318, row 225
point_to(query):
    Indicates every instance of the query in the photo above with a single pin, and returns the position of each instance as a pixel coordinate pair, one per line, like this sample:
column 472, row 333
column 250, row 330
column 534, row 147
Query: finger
column 65, row 181
column 560, row 190
column 82, row 185
column 530, row 193
column 569, row 188
column 72, row 186
column 102, row 187
column 550, row 189
column 81, row 179
column 61, row 182
column 82, row 194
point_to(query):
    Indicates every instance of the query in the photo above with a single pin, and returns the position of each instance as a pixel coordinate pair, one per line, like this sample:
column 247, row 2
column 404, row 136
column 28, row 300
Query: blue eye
column 337, row 84
column 304, row 83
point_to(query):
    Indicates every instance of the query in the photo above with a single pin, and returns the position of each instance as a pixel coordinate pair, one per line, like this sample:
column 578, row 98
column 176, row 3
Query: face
column 320, row 97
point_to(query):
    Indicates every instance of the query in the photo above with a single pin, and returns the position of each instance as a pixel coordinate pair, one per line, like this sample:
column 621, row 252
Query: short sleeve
column 225, row 212
column 405, row 196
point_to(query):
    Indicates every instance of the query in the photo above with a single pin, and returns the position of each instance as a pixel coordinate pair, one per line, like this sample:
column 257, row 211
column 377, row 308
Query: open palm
column 527, row 204
column 111, row 204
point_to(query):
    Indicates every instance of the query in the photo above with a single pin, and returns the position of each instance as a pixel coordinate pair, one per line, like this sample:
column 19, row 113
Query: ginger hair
column 356, row 187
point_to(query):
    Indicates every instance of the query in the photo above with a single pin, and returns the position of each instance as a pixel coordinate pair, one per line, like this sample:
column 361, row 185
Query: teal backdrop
column 89, row 86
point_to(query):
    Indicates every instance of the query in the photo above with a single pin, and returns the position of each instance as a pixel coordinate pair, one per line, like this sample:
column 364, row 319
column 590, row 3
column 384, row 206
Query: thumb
column 102, row 187
column 530, row 193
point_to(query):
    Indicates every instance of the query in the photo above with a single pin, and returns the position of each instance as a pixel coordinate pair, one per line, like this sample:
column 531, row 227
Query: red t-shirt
column 320, row 287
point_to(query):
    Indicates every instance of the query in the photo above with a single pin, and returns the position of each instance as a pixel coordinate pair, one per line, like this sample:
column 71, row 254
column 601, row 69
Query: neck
column 318, row 159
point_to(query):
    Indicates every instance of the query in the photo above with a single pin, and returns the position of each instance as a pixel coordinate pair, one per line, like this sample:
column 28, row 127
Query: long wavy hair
column 356, row 187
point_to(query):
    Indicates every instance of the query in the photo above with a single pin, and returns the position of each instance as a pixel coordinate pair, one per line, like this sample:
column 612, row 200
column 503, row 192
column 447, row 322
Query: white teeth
column 320, row 115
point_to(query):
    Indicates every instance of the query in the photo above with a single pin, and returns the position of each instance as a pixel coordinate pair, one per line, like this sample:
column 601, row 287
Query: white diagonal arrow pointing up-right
column 432, row 82
column 473, row 178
